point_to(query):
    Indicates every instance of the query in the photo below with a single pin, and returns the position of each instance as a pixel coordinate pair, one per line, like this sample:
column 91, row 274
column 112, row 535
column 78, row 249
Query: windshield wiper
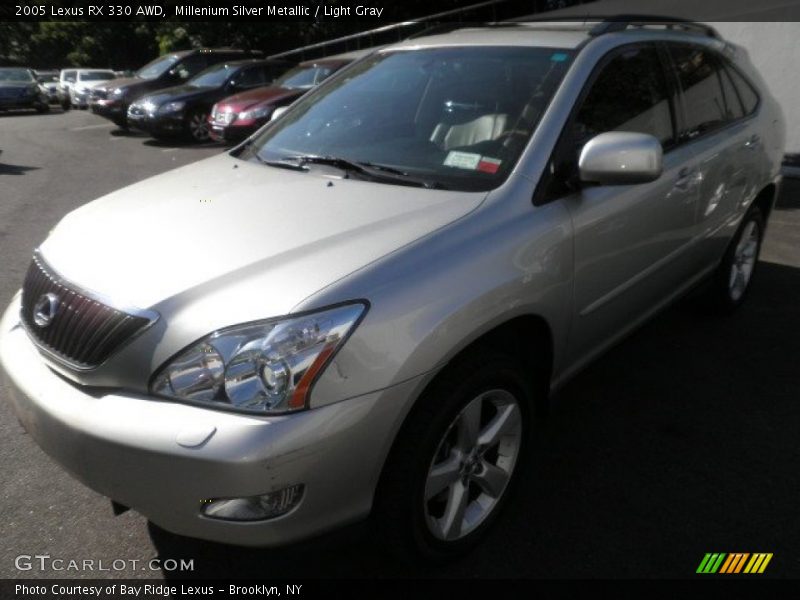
column 371, row 171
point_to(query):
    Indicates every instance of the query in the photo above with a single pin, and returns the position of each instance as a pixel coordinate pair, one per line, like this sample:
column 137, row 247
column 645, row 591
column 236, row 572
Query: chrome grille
column 82, row 331
column 99, row 93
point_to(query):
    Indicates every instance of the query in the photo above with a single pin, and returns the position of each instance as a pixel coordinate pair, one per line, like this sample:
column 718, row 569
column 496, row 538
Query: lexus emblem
column 45, row 309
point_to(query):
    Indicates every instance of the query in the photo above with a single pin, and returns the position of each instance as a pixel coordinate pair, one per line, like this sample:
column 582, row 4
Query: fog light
column 254, row 508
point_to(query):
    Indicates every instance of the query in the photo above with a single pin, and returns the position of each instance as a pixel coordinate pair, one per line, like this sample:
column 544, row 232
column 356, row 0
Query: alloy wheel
column 744, row 260
column 473, row 465
column 198, row 126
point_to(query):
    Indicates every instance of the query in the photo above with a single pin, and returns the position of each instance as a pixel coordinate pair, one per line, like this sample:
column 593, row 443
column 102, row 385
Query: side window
column 746, row 91
column 191, row 66
column 272, row 72
column 703, row 99
column 250, row 77
column 630, row 94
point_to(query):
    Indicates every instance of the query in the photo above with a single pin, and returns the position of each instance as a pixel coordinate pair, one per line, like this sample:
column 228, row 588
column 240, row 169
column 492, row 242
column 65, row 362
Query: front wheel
column 734, row 275
column 197, row 123
column 455, row 460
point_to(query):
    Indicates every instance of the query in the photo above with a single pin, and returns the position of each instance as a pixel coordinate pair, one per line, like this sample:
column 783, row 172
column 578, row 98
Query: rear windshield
column 454, row 118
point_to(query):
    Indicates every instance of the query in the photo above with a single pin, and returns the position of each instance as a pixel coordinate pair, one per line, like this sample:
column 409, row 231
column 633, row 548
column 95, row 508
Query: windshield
column 157, row 67
column 457, row 118
column 213, row 76
column 303, row 77
column 16, row 75
column 96, row 76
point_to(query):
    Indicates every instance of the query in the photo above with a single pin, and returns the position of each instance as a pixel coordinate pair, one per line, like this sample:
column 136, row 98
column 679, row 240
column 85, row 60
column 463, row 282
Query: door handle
column 686, row 178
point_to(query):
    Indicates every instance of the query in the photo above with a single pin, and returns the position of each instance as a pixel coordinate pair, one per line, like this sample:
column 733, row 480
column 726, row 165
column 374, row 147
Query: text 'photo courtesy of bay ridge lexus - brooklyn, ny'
column 386, row 281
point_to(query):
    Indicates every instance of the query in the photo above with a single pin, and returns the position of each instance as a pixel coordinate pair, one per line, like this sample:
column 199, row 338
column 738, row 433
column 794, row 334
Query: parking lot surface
column 682, row 440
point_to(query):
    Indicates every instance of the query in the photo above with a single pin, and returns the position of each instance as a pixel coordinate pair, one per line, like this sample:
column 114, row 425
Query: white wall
column 774, row 49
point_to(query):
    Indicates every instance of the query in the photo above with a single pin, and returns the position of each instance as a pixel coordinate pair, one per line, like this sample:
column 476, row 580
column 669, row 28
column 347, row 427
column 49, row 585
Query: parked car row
column 221, row 94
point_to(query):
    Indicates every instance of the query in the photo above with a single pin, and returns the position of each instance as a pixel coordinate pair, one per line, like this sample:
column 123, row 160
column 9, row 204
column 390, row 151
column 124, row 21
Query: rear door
column 713, row 127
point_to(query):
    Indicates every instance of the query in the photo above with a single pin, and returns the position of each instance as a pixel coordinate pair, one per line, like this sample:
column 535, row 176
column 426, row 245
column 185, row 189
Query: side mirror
column 620, row 157
column 278, row 112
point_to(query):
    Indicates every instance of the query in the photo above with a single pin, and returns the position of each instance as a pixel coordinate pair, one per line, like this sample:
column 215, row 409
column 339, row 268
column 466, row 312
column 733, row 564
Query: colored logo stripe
column 710, row 563
column 721, row 562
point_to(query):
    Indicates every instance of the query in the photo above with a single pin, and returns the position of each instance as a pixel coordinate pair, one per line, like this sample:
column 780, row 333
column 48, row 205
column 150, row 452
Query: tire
column 435, row 461
column 197, row 125
column 66, row 103
column 734, row 275
column 43, row 108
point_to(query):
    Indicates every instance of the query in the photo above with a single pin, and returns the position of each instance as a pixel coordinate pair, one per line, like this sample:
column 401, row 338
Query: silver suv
column 363, row 307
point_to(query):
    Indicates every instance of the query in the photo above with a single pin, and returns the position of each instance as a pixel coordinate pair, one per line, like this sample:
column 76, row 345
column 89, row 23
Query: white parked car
column 75, row 85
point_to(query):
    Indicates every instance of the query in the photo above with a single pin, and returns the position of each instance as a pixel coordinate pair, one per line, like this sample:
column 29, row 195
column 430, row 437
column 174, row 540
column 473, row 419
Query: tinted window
column 732, row 102
column 191, row 65
column 704, row 102
column 157, row 67
column 630, row 94
column 251, row 77
column 746, row 91
column 215, row 76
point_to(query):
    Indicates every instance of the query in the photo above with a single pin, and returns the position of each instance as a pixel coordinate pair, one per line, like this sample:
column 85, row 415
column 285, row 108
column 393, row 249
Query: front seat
column 485, row 127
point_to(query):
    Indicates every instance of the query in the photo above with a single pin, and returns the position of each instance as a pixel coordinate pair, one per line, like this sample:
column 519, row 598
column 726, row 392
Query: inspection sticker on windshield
column 487, row 164
column 462, row 160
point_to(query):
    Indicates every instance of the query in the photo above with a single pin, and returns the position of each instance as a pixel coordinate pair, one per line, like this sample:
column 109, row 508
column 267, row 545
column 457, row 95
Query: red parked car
column 237, row 116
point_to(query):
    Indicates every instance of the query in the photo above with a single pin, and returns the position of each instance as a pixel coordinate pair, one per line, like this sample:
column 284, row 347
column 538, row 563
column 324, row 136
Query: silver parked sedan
column 362, row 307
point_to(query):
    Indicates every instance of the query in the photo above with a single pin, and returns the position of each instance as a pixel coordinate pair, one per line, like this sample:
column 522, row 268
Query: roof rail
column 622, row 22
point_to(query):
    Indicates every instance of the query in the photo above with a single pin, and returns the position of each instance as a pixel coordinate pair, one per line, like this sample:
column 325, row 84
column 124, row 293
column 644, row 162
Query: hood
column 263, row 95
column 227, row 235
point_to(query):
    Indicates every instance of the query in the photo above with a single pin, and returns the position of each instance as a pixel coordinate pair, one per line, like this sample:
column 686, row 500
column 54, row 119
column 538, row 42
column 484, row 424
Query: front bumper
column 125, row 446
column 19, row 102
column 172, row 124
column 115, row 110
column 230, row 133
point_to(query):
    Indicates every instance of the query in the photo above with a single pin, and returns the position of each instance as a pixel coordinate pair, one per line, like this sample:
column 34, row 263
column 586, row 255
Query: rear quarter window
column 746, row 91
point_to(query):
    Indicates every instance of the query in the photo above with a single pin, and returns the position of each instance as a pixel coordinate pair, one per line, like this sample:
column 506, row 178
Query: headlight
column 262, row 367
column 171, row 107
column 256, row 113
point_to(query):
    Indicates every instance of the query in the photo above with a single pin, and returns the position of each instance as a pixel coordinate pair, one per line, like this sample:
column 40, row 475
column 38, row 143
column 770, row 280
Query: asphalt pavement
column 680, row 441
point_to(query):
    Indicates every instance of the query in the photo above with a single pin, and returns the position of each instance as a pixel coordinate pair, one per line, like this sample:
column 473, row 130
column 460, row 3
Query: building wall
column 774, row 49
